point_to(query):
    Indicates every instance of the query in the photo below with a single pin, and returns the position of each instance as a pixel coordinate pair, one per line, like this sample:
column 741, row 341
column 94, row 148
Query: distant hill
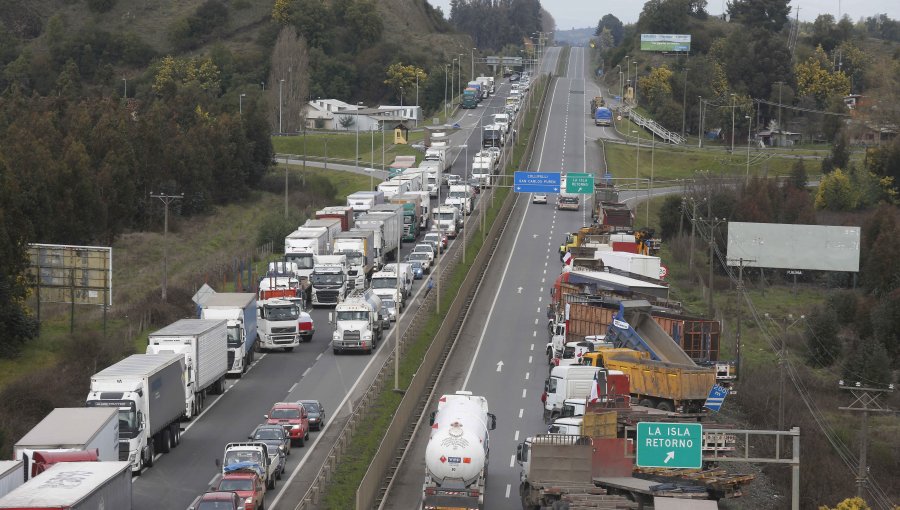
column 574, row 37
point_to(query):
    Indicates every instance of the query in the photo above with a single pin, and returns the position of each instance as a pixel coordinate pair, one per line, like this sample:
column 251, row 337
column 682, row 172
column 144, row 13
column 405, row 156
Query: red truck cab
column 293, row 417
column 247, row 485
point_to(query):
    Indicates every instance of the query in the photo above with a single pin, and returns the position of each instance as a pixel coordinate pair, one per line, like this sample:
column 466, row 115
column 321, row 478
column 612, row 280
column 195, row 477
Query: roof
column 611, row 278
column 229, row 299
column 64, row 484
column 9, row 465
column 188, row 327
column 68, row 426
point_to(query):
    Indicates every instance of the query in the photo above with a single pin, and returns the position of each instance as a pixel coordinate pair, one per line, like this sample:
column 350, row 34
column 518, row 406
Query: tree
column 886, row 324
column 615, row 27
column 880, row 267
column 849, row 504
column 867, row 360
column 836, row 193
column 770, row 15
column 281, row 11
column 815, row 79
column 605, row 41
column 363, row 21
column 798, row 177
column 753, row 61
column 656, row 86
column 823, row 346
column 400, row 76
column 346, row 121
column 312, row 19
column 671, row 218
column 290, row 62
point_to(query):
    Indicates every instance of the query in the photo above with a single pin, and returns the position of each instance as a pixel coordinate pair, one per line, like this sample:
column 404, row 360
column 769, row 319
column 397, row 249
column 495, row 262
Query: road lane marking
column 529, row 359
column 533, row 333
column 508, row 487
column 540, row 298
column 532, row 345
column 538, row 310
column 527, row 375
column 543, row 280
column 295, row 384
column 512, row 461
column 524, row 391
column 517, row 436
column 536, row 320
column 319, row 356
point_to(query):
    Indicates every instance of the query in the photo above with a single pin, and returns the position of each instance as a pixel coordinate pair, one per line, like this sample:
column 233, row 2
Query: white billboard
column 782, row 246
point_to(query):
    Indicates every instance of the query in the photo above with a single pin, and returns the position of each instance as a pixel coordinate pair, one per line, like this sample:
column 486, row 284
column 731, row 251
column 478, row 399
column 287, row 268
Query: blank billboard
column 66, row 274
column 782, row 246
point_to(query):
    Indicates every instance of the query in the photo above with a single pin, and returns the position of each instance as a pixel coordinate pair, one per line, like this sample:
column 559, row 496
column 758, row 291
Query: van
column 406, row 276
column 570, row 381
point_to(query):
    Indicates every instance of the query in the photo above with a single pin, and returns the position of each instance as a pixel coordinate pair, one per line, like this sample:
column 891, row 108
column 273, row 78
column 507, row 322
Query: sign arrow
column 669, row 456
column 520, row 290
column 500, row 366
column 534, row 236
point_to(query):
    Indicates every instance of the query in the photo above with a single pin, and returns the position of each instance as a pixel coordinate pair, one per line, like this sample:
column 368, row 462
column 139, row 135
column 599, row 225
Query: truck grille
column 123, row 451
column 327, row 296
column 291, row 329
column 351, row 335
column 230, row 359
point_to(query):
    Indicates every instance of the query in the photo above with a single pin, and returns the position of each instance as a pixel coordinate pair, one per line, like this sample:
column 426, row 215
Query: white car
column 424, row 258
column 539, row 198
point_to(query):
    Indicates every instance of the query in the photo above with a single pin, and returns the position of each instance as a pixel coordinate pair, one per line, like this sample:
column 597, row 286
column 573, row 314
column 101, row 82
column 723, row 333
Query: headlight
column 336, row 335
column 295, row 427
column 367, row 336
column 132, row 456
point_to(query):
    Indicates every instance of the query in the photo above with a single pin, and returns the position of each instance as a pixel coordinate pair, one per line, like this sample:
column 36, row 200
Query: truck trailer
column 239, row 311
column 75, row 486
column 358, row 246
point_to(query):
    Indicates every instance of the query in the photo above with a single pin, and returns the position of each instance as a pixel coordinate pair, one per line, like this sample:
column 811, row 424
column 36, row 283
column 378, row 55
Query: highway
column 311, row 371
column 507, row 322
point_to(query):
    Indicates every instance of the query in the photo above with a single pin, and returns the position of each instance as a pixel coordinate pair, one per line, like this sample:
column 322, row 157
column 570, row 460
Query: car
column 293, row 417
column 418, row 269
column 426, row 248
column 452, row 179
column 274, row 436
column 437, row 236
column 389, row 309
column 307, row 327
column 424, row 258
column 514, row 77
column 475, row 184
column 433, row 241
column 218, row 500
column 274, row 448
column 539, row 198
column 247, row 484
column 316, row 412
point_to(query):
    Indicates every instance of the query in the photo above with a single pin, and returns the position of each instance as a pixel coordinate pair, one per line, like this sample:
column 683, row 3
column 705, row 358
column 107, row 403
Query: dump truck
column 596, row 102
column 344, row 213
column 634, row 328
column 616, row 214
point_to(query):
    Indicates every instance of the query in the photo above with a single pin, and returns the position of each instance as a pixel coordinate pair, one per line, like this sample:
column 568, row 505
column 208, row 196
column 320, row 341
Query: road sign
column 663, row 272
column 670, row 445
column 608, row 177
column 536, row 182
column 579, row 183
column 716, row 398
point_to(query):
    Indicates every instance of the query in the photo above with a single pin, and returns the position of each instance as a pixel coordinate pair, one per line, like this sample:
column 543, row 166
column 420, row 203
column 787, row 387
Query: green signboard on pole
column 670, row 445
column 579, row 183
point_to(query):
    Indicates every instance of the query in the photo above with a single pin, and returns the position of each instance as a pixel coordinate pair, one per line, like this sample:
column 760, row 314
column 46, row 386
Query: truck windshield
column 458, row 194
column 352, row 315
column 234, row 336
column 234, row 457
column 408, row 220
column 551, row 385
column 327, row 278
column 128, row 425
column 236, row 484
column 446, row 216
column 303, row 260
column 282, row 313
column 354, row 258
column 384, row 283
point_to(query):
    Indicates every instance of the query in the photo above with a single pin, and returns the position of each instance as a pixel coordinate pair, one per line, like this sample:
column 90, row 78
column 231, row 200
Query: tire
column 301, row 442
column 646, row 403
column 176, row 435
column 151, row 454
column 280, row 473
column 336, row 351
column 666, row 406
column 165, row 440
column 271, row 485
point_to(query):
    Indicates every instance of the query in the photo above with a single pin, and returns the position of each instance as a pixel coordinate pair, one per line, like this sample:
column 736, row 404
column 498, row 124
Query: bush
column 101, row 6
column 276, row 227
column 822, row 342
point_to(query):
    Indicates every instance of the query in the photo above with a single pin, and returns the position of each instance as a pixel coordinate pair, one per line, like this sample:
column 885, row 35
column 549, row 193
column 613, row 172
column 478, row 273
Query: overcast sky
column 584, row 13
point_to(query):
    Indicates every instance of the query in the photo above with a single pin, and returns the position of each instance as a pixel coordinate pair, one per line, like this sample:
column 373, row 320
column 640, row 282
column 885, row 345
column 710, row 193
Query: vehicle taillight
column 544, row 397
column 306, row 326
column 429, row 491
column 474, row 494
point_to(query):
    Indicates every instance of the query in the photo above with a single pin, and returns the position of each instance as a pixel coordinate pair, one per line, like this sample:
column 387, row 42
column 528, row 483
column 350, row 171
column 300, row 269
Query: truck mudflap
column 453, row 499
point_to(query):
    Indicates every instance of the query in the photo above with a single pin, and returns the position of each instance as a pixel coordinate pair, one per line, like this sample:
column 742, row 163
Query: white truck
column 70, row 429
column 204, row 344
column 238, row 309
column 425, row 206
column 415, row 181
column 407, row 277
column 362, row 201
column 570, row 381
column 460, row 197
column 358, row 246
column 384, row 284
column 446, row 218
column 358, row 323
column 503, row 120
column 456, row 457
column 329, row 280
column 390, row 218
column 440, row 155
column 251, row 454
column 302, row 245
column 148, row 390
column 433, row 173
column 390, row 188
column 332, row 226
column 483, row 165
column 11, row 475
column 75, row 486
column 279, row 323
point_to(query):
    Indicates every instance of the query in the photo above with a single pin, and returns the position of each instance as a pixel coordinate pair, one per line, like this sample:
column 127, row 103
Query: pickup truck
column 247, row 484
column 293, row 417
column 249, row 455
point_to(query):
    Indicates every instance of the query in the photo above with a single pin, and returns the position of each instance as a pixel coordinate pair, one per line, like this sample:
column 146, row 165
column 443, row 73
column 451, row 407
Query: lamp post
column 634, row 87
column 650, row 188
column 445, row 92
column 637, row 158
column 459, row 70
column 280, row 106
column 453, row 88
column 700, row 121
column 401, row 99
column 358, row 105
column 473, row 64
column 468, row 169
column 372, row 161
column 125, row 92
column 417, row 98
column 684, row 104
column 241, row 103
column 733, row 100
column 627, row 75
column 749, row 125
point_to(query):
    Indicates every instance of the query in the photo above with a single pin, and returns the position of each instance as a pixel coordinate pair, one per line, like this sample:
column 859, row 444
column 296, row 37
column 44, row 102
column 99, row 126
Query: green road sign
column 669, row 445
column 580, row 183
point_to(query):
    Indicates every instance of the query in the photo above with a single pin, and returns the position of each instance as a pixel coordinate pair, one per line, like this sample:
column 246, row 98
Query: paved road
column 312, row 371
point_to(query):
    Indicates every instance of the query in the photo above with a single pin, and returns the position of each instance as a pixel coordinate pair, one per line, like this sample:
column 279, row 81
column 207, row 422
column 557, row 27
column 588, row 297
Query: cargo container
column 75, row 486
column 239, row 310
column 12, row 475
column 344, row 213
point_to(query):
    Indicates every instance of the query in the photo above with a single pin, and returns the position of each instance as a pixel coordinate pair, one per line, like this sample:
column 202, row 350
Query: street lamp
column 417, row 98
column 125, row 92
column 627, row 76
column 637, row 158
column 733, row 101
column 358, row 105
column 452, row 74
column 634, row 88
column 700, row 121
column 401, row 100
column 749, row 125
column 473, row 64
column 241, row 103
column 445, row 92
column 280, row 106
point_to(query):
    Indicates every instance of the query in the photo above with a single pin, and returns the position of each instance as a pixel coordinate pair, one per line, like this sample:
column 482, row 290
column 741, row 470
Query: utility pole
column 713, row 224
column 700, row 120
column 166, row 200
column 740, row 313
column 693, row 231
column 865, row 400
column 684, row 103
column 733, row 105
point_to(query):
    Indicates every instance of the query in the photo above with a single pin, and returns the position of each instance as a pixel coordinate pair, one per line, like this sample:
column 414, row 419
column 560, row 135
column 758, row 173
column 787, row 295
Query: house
column 336, row 115
column 778, row 138
column 406, row 112
column 871, row 134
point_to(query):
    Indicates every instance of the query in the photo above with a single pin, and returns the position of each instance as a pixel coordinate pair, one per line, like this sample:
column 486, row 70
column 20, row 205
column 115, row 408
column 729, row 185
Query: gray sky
column 584, row 13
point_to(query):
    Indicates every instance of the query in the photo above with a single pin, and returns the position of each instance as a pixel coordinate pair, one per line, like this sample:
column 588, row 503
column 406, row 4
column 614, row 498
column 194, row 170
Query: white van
column 570, row 381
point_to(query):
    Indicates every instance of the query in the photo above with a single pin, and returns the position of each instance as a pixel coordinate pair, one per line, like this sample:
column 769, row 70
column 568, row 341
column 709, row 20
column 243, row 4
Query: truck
column 148, row 390
column 470, row 98
column 616, row 214
column 11, row 475
column 391, row 187
column 412, row 214
column 358, row 246
column 384, row 284
column 460, row 196
column 238, row 309
column 432, row 176
column 332, row 226
column 441, row 155
column 71, row 429
column 570, row 381
column 75, row 486
column 424, row 207
column 204, row 344
column 492, row 136
column 253, row 455
column 415, row 179
column 446, row 218
column 361, row 201
column 389, row 225
column 358, row 323
column 330, row 280
column 302, row 245
column 344, row 213
column 480, row 90
column 483, row 166
column 456, row 457
column 487, row 83
column 596, row 103
column 603, row 117
column 400, row 164
column 281, row 322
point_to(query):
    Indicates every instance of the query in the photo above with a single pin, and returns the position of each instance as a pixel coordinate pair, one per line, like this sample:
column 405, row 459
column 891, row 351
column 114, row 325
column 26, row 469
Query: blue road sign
column 607, row 177
column 716, row 398
column 536, row 182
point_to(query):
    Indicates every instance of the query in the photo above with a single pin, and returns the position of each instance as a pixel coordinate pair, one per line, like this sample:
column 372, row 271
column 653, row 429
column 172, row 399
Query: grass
column 342, row 146
column 345, row 183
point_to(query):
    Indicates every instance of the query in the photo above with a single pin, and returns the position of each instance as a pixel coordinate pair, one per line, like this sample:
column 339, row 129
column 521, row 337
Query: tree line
column 494, row 24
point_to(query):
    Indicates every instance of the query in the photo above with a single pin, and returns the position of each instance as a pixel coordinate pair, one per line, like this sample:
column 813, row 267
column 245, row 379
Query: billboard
column 782, row 246
column 665, row 42
column 67, row 274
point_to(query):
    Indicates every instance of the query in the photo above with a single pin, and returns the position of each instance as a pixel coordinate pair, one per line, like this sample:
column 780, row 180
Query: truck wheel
column 665, row 406
column 176, row 434
column 646, row 403
column 151, row 452
column 271, row 484
column 165, row 440
column 336, row 351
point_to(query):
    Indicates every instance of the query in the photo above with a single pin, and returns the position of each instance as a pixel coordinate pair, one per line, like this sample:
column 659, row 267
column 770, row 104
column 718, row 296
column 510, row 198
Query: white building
column 336, row 115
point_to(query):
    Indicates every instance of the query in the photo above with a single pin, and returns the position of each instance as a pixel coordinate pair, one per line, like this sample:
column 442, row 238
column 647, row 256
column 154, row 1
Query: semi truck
column 204, row 344
column 302, row 245
column 565, row 382
column 71, row 429
column 329, row 280
column 238, row 309
column 470, row 98
column 343, row 213
column 441, row 155
column 358, row 323
column 358, row 246
column 281, row 323
column 412, row 214
column 425, row 208
column 362, row 201
column 389, row 224
column 460, row 196
column 75, row 486
column 384, row 284
column 390, row 188
column 148, row 390
column 446, row 218
column 400, row 164
column 456, row 457
column 10, row 475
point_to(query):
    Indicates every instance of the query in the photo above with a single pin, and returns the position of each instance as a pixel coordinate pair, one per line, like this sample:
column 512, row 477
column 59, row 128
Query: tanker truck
column 456, row 457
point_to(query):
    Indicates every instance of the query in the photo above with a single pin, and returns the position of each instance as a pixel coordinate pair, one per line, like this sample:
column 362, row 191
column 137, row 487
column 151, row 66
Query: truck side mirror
column 520, row 454
column 265, row 416
column 431, row 419
column 492, row 424
column 330, row 318
column 218, row 463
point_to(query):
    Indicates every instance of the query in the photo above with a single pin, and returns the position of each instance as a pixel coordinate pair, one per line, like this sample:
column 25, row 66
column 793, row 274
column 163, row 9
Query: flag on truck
column 567, row 258
column 595, row 389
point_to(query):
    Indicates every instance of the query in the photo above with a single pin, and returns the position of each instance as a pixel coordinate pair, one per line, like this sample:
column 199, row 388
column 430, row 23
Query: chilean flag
column 567, row 258
column 595, row 389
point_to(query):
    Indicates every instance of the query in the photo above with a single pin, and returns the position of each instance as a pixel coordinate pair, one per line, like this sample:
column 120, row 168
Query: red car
column 293, row 417
column 247, row 485
column 219, row 500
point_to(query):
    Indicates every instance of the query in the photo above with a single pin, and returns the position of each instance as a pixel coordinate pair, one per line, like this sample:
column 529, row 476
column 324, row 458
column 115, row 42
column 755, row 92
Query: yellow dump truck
column 665, row 386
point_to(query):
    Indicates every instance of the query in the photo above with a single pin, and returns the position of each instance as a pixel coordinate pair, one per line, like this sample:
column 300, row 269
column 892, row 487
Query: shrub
column 101, row 6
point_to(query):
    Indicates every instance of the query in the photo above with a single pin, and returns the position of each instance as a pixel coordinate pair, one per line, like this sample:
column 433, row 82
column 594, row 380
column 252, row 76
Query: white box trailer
column 332, row 226
column 204, row 344
column 11, row 475
column 644, row 265
column 238, row 309
column 68, row 429
column 75, row 486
